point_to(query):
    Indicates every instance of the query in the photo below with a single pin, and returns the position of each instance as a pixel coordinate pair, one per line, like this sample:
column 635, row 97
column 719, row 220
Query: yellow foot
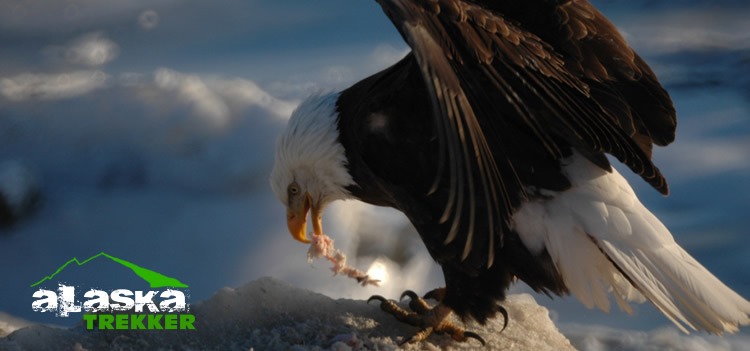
column 428, row 319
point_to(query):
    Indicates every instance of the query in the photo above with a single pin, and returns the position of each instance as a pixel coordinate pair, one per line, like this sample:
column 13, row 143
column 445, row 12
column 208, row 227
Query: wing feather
column 600, row 236
column 497, row 77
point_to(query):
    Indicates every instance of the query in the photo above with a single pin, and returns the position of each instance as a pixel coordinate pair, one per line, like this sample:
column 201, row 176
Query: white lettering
column 147, row 300
column 64, row 301
column 125, row 303
column 67, row 300
column 47, row 304
column 178, row 299
column 99, row 304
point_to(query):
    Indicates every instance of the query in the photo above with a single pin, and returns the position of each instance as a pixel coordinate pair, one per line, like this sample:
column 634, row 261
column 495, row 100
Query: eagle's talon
column 419, row 336
column 410, row 294
column 426, row 318
column 395, row 310
column 475, row 336
column 457, row 333
column 504, row 312
column 435, row 294
column 376, row 297
column 416, row 303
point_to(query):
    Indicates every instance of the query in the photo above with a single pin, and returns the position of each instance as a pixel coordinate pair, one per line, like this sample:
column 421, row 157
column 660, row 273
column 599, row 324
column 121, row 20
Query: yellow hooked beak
column 296, row 219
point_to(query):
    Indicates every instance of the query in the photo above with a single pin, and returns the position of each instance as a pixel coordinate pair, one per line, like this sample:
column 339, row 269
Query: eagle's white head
column 310, row 167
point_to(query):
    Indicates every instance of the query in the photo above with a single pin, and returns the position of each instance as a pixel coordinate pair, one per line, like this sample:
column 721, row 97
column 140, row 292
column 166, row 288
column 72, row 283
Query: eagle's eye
column 293, row 189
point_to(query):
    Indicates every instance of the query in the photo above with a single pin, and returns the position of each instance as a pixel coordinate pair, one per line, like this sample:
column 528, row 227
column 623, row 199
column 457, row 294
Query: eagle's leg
column 428, row 319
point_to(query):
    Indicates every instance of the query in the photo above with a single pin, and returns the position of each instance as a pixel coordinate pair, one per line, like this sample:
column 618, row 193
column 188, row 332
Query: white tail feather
column 599, row 228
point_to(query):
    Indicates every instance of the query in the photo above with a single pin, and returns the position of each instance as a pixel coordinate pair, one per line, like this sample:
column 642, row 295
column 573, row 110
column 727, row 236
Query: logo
column 120, row 308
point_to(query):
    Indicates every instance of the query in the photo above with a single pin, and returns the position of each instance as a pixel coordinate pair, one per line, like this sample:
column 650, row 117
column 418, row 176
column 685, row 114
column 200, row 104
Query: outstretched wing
column 592, row 48
column 501, row 79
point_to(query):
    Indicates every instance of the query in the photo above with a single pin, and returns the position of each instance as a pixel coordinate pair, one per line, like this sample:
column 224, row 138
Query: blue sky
column 150, row 126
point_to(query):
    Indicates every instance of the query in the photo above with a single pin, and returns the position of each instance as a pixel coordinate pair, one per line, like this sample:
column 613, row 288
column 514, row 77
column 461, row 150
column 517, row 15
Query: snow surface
column 269, row 314
column 9, row 324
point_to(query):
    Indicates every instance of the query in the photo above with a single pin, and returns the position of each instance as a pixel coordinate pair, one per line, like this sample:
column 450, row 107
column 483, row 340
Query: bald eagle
column 491, row 136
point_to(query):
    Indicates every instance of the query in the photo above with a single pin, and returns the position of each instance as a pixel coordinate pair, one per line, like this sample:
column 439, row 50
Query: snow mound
column 9, row 324
column 268, row 314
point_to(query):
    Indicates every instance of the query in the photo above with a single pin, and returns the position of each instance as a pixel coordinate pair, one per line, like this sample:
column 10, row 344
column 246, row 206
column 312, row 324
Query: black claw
column 409, row 340
column 409, row 293
column 377, row 297
column 504, row 312
column 405, row 341
column 475, row 336
column 435, row 294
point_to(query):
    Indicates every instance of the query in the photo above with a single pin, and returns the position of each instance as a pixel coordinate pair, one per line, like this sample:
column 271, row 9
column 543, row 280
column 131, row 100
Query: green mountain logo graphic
column 157, row 280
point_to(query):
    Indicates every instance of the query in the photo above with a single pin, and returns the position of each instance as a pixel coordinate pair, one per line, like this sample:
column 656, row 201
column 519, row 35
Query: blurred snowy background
column 146, row 129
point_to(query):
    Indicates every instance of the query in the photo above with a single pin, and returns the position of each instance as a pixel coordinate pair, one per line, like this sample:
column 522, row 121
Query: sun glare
column 378, row 271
